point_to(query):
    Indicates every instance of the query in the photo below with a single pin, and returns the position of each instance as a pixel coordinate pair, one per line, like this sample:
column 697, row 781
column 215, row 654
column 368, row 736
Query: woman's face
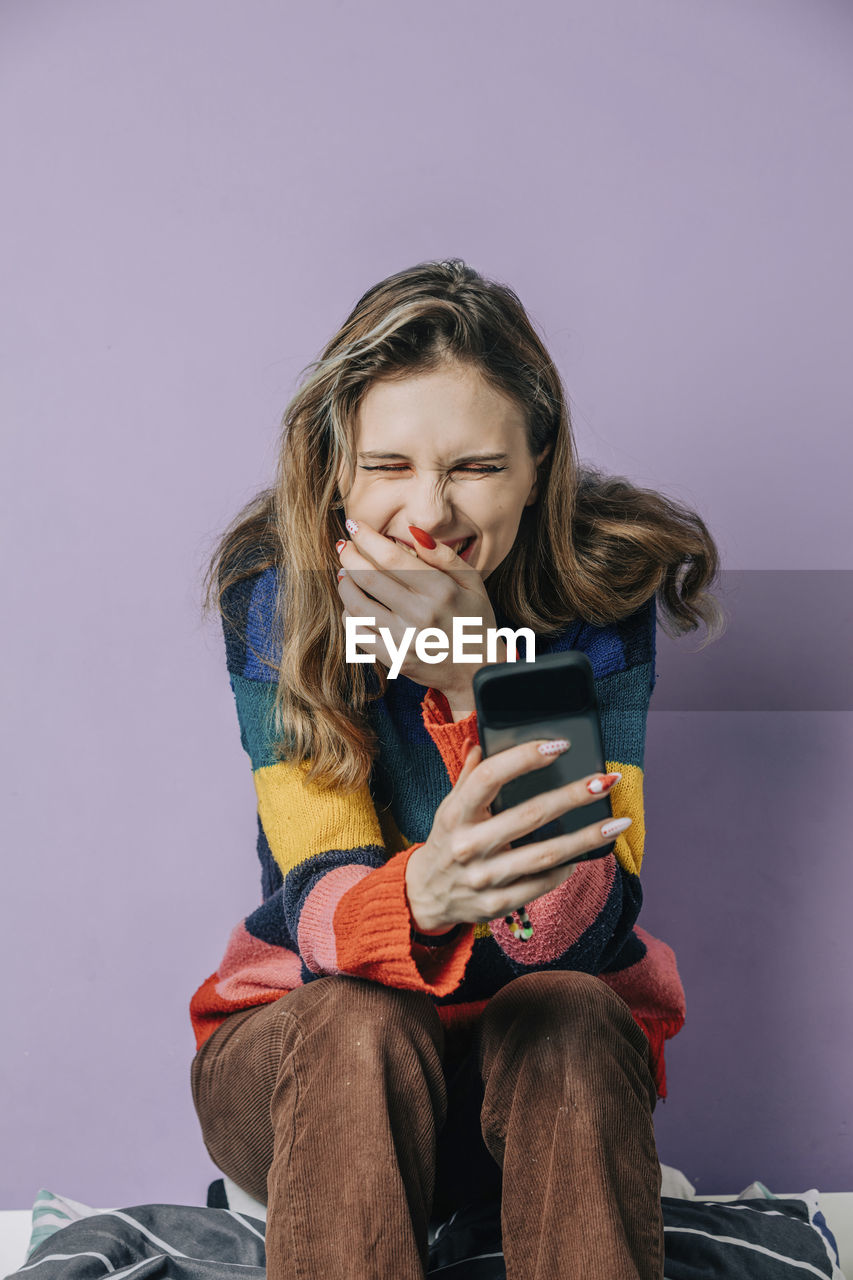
column 447, row 453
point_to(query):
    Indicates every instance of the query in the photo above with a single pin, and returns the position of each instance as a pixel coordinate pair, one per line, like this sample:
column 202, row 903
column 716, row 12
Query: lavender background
column 195, row 196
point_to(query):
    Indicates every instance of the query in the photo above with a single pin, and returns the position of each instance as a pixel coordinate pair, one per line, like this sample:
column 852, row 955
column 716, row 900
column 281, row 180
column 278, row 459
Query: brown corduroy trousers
column 338, row 1107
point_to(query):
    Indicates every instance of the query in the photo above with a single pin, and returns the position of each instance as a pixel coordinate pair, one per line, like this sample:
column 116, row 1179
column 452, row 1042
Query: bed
column 753, row 1233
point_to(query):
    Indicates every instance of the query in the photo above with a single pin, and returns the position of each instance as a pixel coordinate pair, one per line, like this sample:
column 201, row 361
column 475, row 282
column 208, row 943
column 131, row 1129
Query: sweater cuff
column 373, row 929
column 436, row 939
column 451, row 737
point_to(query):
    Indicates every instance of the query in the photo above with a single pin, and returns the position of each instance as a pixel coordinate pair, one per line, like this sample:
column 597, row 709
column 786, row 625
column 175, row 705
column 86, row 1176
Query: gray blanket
column 742, row 1240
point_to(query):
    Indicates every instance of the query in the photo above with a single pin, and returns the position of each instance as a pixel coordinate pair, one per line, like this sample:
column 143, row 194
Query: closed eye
column 470, row 470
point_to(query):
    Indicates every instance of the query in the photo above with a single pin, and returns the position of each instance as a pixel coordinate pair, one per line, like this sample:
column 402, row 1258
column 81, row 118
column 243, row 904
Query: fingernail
column 613, row 828
column 554, row 748
column 602, row 783
column 339, row 546
column 352, row 526
column 341, row 573
column 421, row 536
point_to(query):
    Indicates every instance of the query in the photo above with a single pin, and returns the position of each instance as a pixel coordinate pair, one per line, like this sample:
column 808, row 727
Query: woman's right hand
column 466, row 871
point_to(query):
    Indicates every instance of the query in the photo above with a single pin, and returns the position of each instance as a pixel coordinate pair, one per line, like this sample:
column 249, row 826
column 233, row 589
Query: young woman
column 381, row 1043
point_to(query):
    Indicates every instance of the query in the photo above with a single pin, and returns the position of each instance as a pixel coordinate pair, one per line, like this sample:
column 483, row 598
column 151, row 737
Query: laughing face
column 447, row 453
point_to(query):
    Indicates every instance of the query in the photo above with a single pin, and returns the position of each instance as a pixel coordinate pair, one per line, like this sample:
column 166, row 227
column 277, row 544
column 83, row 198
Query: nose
column 428, row 505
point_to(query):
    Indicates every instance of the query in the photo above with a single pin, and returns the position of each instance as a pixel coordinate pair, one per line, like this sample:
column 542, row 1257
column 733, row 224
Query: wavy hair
column 590, row 547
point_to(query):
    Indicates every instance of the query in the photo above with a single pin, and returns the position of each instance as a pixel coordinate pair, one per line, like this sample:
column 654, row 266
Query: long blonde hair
column 591, row 546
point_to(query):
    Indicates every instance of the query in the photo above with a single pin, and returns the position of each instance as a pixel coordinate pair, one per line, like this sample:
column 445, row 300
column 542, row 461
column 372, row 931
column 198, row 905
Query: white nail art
column 618, row 824
column 555, row 748
column 352, row 526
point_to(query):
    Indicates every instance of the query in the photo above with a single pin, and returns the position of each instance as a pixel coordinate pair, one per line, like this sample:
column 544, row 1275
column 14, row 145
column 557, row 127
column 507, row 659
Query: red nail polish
column 602, row 783
column 421, row 536
column 339, row 546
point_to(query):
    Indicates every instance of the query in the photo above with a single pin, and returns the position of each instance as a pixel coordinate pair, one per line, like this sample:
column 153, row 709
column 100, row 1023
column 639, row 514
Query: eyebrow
column 470, row 457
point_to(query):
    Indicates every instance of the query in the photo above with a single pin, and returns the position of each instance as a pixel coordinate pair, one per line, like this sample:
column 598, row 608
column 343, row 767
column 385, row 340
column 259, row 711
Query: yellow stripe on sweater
column 302, row 820
column 626, row 801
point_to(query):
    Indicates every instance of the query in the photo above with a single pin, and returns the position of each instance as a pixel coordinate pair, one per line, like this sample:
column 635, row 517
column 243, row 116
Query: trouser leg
column 567, row 1114
column 328, row 1101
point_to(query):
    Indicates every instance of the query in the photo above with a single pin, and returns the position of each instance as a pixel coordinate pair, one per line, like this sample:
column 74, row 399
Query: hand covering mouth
column 459, row 545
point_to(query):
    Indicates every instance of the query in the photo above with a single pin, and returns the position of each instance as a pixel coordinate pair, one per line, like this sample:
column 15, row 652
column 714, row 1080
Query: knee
column 558, row 1010
column 554, row 996
column 364, row 1013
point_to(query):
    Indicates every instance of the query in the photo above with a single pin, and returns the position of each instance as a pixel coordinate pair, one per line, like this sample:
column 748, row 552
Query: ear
column 534, row 489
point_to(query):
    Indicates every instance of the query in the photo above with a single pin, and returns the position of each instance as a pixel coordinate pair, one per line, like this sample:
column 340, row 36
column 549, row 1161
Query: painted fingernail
column 602, row 783
column 341, row 573
column 554, row 748
column 613, row 828
column 421, row 536
column 339, row 546
column 352, row 526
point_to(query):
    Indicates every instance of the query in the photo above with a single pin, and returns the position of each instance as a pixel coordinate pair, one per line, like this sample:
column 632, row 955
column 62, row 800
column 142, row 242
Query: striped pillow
column 51, row 1212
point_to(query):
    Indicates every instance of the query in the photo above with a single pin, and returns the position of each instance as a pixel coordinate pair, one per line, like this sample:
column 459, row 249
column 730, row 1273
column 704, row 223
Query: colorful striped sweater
column 333, row 865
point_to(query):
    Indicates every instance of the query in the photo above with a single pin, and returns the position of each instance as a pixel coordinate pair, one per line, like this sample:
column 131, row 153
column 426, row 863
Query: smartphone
column 552, row 697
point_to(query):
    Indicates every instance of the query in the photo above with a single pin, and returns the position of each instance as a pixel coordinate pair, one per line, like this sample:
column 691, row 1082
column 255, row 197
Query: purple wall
column 194, row 197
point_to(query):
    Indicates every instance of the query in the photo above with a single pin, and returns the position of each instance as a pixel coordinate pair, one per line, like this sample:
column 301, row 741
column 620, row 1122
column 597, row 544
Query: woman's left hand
column 385, row 581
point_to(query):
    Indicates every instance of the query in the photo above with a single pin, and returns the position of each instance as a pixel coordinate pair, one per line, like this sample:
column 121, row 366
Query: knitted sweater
column 333, row 865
